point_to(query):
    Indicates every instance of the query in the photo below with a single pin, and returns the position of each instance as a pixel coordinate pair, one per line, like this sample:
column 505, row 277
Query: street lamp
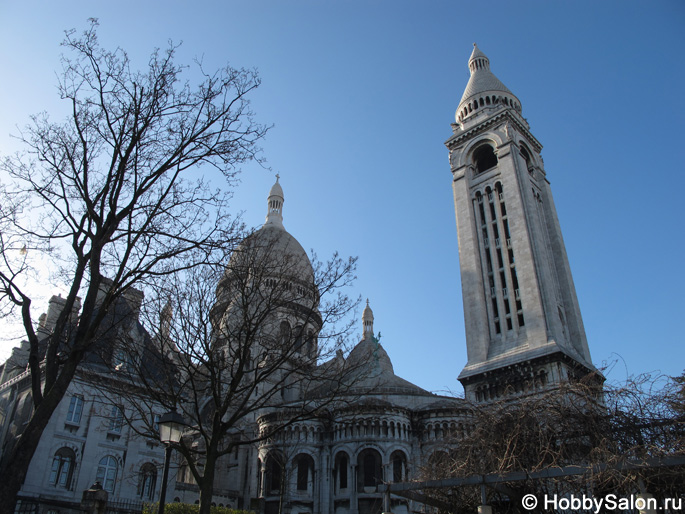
column 170, row 429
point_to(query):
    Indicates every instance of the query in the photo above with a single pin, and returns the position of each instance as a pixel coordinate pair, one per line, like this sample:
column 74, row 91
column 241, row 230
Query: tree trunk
column 15, row 464
column 207, row 485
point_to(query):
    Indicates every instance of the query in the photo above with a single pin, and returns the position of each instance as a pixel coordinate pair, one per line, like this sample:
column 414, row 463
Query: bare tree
column 112, row 192
column 568, row 440
column 676, row 396
column 268, row 338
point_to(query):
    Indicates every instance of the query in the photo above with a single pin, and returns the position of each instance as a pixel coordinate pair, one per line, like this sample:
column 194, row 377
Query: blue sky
column 361, row 95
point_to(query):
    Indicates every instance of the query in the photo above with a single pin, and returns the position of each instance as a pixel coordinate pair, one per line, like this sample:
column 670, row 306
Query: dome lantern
column 367, row 321
column 274, row 213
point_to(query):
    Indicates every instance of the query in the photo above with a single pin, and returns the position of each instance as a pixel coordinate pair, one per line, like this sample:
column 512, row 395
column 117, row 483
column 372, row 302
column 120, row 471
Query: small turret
column 367, row 321
column 274, row 214
column 165, row 319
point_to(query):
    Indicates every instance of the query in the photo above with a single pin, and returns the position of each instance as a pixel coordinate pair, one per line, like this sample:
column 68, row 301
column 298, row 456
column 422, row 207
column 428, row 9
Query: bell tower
column 524, row 329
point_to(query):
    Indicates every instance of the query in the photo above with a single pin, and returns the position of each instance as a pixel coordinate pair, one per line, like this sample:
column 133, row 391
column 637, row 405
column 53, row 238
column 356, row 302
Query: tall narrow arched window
column 526, row 157
column 310, row 346
column 399, row 466
column 340, row 470
column 304, row 465
column 62, row 469
column 370, row 472
column 299, row 338
column 284, row 334
column 274, row 473
column 484, row 158
column 147, row 481
column 107, row 473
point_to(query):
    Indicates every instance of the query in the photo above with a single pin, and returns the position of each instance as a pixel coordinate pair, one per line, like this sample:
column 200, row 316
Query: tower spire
column 484, row 90
column 274, row 213
column 367, row 321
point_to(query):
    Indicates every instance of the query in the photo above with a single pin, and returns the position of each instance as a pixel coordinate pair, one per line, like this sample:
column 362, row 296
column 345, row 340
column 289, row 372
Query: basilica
column 524, row 333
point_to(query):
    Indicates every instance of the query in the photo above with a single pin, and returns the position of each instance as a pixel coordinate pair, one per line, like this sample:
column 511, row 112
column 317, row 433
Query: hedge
column 189, row 508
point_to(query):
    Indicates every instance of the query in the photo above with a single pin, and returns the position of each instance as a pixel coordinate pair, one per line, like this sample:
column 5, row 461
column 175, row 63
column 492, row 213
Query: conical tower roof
column 484, row 83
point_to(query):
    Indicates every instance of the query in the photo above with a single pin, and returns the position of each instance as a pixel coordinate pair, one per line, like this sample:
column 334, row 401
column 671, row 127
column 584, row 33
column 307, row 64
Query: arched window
column 340, row 470
column 62, row 470
column 147, row 481
column 399, row 466
column 274, row 473
column 107, row 473
column 284, row 334
column 370, row 470
column 526, row 157
column 299, row 338
column 310, row 345
column 304, row 465
column 484, row 158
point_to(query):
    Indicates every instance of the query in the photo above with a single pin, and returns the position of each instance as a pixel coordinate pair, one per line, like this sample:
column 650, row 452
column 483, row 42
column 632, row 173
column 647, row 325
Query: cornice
column 458, row 139
column 506, row 370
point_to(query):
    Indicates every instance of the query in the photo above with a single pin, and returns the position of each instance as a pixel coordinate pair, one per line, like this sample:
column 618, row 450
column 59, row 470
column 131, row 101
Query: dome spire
column 367, row 321
column 274, row 213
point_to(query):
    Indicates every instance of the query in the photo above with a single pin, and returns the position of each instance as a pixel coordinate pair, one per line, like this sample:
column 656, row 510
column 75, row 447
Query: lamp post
column 170, row 430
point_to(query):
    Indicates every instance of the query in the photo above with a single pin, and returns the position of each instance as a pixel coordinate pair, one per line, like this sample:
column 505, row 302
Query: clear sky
column 361, row 95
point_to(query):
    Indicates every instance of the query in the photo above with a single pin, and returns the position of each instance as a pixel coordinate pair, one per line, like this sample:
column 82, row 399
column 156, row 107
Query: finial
column 278, row 176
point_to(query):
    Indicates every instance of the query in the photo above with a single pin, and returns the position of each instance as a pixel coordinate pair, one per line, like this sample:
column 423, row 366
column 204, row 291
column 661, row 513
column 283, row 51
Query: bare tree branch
column 113, row 191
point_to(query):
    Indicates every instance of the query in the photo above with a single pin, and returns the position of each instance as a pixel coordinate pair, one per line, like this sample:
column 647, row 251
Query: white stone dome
column 273, row 256
column 278, row 253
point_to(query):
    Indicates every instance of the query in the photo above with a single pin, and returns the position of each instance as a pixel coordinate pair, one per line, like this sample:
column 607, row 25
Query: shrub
column 189, row 508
